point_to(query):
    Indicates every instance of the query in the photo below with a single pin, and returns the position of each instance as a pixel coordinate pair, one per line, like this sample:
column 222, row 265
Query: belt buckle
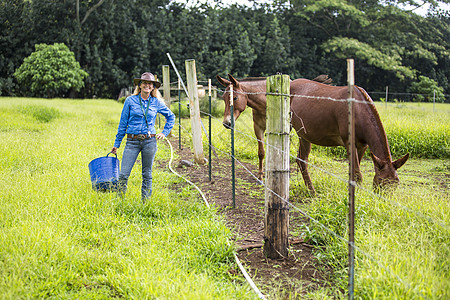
column 141, row 137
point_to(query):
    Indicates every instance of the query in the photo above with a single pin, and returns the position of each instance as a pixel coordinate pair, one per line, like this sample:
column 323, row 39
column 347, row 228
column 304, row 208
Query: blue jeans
column 147, row 148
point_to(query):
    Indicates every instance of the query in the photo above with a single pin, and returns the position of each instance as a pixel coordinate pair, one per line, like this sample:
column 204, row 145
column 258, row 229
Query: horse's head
column 386, row 171
column 240, row 99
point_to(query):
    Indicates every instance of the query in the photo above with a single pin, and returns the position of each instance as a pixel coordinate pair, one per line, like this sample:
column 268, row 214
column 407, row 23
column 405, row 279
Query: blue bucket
column 104, row 173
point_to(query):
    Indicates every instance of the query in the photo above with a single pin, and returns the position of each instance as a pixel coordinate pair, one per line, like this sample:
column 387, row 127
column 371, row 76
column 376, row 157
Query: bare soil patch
column 293, row 275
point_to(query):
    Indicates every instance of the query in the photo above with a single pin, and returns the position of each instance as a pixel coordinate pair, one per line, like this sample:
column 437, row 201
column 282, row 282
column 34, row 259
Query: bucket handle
column 112, row 153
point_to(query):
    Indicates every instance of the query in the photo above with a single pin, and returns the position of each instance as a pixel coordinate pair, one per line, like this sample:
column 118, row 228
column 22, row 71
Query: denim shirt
column 132, row 119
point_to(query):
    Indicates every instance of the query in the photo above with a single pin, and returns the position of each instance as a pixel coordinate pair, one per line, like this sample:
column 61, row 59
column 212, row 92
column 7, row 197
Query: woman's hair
column 154, row 93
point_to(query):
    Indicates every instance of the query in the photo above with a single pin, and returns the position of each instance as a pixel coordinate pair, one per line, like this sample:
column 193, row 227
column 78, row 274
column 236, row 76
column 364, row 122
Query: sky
column 229, row 2
column 421, row 11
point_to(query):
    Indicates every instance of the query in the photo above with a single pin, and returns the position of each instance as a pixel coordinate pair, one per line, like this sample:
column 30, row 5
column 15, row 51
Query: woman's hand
column 160, row 136
column 114, row 150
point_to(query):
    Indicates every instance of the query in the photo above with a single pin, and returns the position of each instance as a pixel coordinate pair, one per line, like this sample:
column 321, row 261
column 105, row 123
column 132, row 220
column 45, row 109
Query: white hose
column 241, row 267
column 250, row 281
column 191, row 183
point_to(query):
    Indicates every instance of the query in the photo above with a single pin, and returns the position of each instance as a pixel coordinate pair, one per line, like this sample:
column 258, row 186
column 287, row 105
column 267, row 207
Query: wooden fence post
column 276, row 210
column 194, row 110
column 166, row 85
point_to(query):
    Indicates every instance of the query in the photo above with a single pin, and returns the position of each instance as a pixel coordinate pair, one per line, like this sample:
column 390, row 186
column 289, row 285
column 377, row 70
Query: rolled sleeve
column 170, row 118
column 123, row 124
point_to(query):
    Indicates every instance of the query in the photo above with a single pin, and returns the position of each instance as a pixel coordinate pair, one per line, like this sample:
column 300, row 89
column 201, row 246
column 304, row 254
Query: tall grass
column 60, row 239
column 417, row 129
column 402, row 236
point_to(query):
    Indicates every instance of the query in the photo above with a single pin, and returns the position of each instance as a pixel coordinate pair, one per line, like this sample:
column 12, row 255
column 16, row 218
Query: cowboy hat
column 147, row 76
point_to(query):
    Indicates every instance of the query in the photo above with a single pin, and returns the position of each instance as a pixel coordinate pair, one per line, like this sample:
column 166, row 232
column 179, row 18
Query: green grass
column 60, row 239
column 402, row 237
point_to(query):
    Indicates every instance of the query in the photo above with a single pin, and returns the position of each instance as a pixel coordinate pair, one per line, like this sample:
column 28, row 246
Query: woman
column 137, row 121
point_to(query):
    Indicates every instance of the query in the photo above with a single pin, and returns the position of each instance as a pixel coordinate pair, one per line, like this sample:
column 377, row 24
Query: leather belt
column 140, row 137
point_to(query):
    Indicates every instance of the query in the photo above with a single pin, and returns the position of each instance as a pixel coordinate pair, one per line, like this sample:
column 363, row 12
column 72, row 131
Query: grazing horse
column 319, row 120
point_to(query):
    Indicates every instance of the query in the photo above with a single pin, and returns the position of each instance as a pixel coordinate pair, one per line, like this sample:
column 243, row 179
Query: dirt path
column 295, row 274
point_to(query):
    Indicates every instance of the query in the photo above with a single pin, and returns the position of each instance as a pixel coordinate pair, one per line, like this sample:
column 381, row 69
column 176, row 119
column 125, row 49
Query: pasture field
column 61, row 240
column 403, row 236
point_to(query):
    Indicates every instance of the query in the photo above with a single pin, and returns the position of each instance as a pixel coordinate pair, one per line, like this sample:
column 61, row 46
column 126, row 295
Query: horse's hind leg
column 304, row 149
column 261, row 154
column 259, row 132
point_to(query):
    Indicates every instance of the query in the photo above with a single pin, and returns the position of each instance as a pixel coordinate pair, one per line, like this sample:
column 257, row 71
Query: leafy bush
column 184, row 108
column 425, row 89
column 217, row 107
column 122, row 99
column 51, row 71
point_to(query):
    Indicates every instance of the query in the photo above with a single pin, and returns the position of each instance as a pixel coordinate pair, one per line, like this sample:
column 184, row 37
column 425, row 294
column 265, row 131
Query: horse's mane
column 321, row 78
column 253, row 79
column 375, row 114
column 368, row 99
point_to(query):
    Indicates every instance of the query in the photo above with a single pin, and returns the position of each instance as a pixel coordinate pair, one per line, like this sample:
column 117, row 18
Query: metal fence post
column 351, row 185
column 210, row 131
column 233, row 176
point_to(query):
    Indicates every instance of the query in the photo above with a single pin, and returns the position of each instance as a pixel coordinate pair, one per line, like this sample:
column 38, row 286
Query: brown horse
column 319, row 120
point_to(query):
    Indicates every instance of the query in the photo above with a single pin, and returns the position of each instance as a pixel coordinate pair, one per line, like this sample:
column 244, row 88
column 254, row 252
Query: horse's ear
column 233, row 80
column 376, row 161
column 222, row 81
column 400, row 162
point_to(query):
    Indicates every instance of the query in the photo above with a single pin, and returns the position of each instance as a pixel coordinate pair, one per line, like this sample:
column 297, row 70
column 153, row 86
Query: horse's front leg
column 358, row 175
column 357, row 161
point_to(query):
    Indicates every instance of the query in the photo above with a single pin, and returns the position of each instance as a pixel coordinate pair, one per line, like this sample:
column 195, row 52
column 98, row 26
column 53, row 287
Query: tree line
column 115, row 41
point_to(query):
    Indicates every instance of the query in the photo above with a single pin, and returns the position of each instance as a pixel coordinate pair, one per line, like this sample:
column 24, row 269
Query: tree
column 391, row 46
column 117, row 40
column 276, row 48
column 51, row 71
column 14, row 35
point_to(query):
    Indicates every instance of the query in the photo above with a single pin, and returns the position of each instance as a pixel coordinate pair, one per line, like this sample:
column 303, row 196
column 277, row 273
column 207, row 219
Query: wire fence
column 315, row 221
column 245, row 134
